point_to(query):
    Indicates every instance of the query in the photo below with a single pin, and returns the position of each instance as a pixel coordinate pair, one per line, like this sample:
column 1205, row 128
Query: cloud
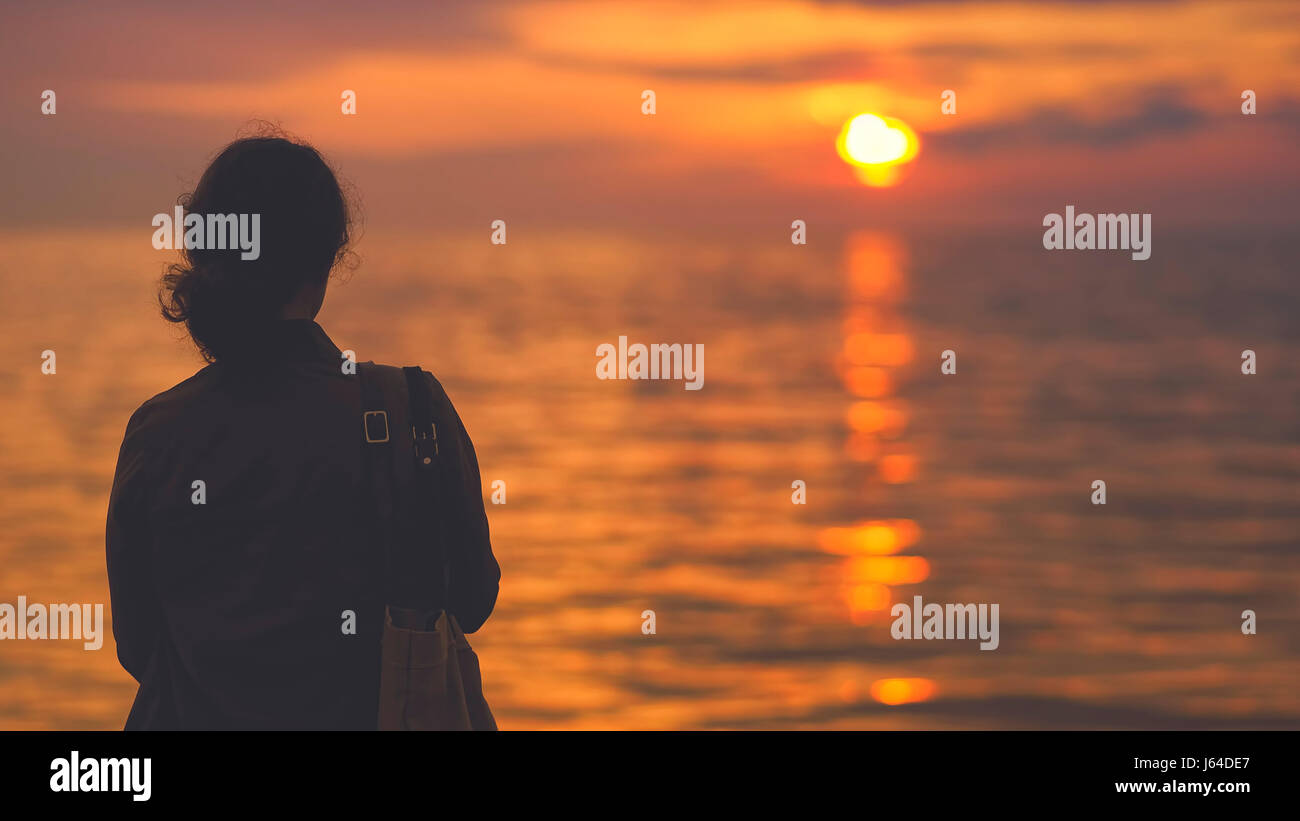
column 836, row 65
column 1157, row 116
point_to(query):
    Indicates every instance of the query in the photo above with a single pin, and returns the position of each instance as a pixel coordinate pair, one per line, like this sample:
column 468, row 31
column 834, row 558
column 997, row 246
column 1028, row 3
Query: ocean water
column 821, row 366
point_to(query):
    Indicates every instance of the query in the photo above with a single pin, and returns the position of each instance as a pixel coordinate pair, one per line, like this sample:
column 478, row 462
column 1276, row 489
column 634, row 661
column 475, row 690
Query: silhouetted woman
column 229, row 597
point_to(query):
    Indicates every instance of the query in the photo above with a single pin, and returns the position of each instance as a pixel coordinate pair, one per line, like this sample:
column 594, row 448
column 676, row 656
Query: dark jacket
column 231, row 613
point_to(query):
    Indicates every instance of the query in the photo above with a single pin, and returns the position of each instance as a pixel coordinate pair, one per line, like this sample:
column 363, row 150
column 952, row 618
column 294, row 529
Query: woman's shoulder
column 166, row 407
column 395, row 372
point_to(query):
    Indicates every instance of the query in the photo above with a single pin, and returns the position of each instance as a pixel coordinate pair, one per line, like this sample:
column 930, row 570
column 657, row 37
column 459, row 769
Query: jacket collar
column 292, row 339
column 304, row 339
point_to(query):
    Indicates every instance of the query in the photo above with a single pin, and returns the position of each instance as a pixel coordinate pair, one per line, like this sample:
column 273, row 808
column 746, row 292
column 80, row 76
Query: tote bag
column 429, row 675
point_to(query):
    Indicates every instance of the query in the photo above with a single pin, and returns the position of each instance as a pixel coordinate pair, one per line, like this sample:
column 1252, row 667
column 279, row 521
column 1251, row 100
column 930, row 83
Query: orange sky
column 532, row 110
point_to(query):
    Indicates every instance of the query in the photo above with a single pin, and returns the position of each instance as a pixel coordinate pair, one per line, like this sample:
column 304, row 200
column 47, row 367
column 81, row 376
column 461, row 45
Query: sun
column 876, row 146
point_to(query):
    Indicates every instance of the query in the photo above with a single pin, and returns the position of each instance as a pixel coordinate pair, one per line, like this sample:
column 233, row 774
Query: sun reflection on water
column 876, row 345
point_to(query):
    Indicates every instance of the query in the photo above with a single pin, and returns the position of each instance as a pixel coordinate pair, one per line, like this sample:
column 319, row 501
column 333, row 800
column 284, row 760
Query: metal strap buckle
column 380, row 419
column 424, row 438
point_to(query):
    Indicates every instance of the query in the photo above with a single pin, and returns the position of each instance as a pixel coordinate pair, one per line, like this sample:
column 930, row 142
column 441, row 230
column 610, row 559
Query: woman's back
column 234, row 599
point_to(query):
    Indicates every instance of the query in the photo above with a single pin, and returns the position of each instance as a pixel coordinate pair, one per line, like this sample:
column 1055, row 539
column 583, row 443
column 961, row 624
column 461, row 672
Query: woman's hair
column 305, row 229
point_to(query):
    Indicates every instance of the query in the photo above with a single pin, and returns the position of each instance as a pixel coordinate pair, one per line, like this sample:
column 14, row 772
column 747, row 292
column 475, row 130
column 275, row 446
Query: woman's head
column 305, row 228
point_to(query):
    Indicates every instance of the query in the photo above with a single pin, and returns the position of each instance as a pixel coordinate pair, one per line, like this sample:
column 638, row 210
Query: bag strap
column 377, row 463
column 405, row 477
column 429, row 473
